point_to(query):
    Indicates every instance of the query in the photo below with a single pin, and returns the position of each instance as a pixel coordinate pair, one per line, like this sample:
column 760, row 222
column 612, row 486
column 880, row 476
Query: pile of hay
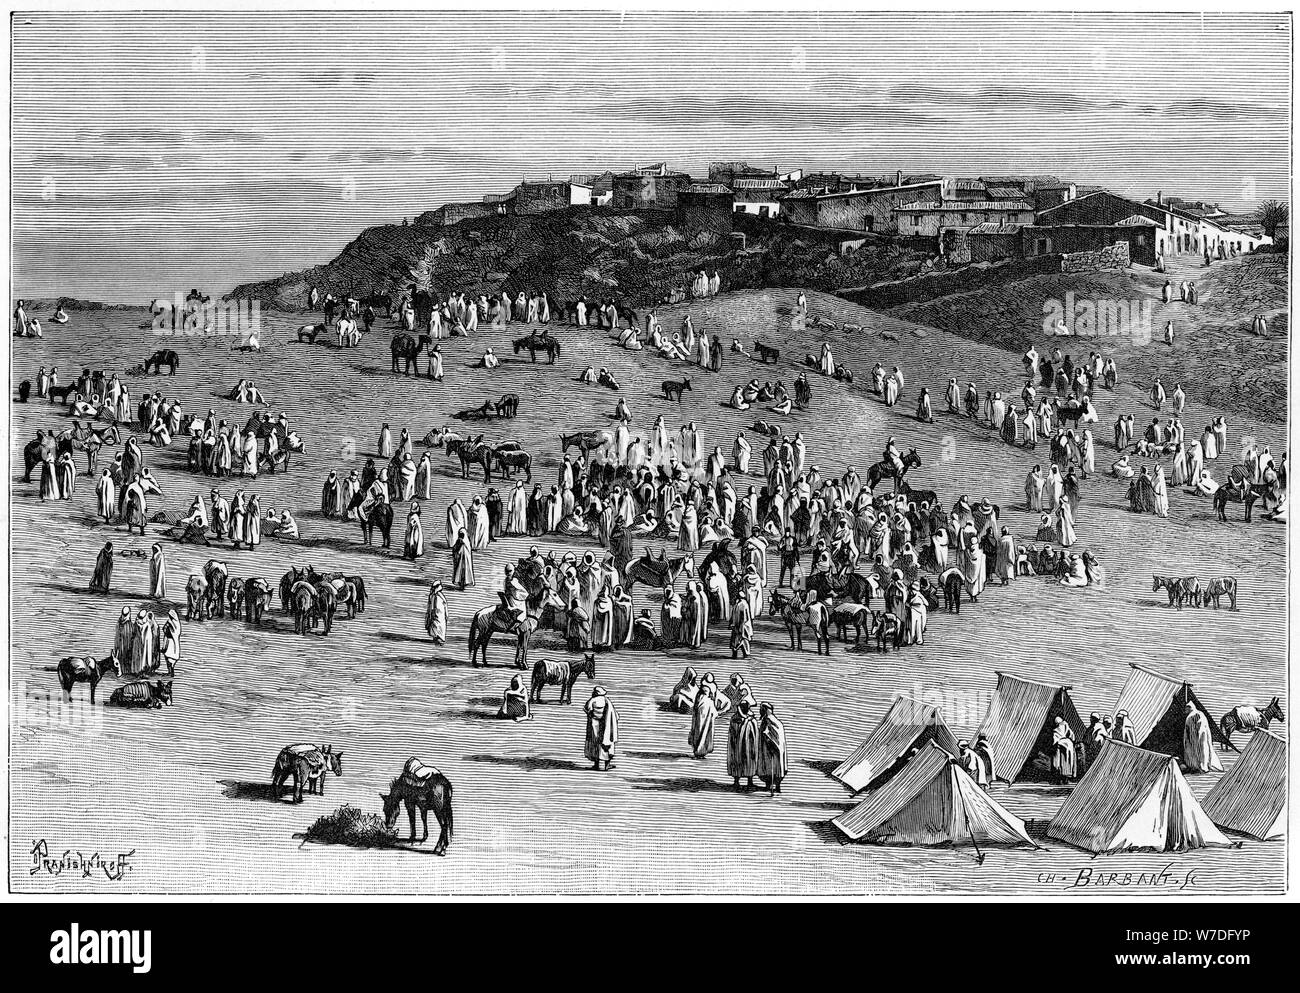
column 349, row 825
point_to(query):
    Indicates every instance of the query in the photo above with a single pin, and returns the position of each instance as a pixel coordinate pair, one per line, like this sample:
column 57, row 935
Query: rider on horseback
column 514, row 598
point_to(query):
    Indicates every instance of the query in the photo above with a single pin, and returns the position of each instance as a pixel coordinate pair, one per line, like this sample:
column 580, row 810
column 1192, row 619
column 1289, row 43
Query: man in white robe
column 1198, row 744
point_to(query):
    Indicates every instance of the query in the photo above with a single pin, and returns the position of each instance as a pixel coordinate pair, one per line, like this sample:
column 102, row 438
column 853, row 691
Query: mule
column 1244, row 717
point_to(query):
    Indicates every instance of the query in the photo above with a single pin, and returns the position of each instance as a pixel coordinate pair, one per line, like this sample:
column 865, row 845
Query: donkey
column 673, row 389
column 1244, row 717
column 1219, row 588
column 1172, row 586
column 306, row 764
column 73, row 670
column 562, row 673
column 425, row 787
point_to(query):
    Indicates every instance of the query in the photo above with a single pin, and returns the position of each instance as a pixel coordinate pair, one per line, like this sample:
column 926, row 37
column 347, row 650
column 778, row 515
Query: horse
column 508, row 405
column 73, row 670
column 1243, row 493
column 472, row 453
column 561, row 673
column 885, row 469
column 497, row 620
column 408, row 347
column 1216, row 589
column 844, row 585
column 765, row 353
column 924, row 496
column 855, row 614
column 163, row 357
column 656, row 572
column 1244, row 717
column 533, row 345
column 425, row 787
column 306, row 764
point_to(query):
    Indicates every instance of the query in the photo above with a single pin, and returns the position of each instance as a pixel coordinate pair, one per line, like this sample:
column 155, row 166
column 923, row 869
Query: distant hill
column 635, row 256
column 39, row 305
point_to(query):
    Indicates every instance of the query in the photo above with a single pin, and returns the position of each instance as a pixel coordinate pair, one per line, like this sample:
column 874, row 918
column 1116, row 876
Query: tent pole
column 965, row 813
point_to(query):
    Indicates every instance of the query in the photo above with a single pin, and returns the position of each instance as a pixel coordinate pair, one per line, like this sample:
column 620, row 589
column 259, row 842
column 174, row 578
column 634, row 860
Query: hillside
column 636, row 256
column 1214, row 355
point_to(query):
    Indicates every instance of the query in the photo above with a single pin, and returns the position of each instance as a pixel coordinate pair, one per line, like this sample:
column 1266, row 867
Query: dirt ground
column 184, row 790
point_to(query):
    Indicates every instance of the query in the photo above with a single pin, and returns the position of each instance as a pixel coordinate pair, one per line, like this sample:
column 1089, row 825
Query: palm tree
column 1272, row 214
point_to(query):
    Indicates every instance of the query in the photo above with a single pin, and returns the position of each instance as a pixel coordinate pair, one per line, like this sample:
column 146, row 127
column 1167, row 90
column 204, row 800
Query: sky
column 156, row 152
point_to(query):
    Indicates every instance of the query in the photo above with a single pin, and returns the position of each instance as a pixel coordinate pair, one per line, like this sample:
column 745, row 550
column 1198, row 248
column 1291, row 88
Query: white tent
column 1251, row 796
column 932, row 801
column 907, row 726
column 1133, row 798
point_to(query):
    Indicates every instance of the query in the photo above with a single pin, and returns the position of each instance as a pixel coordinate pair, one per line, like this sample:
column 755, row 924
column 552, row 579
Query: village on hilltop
column 962, row 220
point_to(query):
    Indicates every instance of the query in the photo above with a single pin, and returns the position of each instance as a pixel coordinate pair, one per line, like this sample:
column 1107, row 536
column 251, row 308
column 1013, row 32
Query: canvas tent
column 1133, row 798
column 907, row 725
column 1251, row 797
column 1019, row 723
column 932, row 800
column 1157, row 710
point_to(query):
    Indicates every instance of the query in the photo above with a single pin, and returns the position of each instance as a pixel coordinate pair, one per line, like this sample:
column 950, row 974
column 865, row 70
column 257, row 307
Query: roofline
column 877, row 189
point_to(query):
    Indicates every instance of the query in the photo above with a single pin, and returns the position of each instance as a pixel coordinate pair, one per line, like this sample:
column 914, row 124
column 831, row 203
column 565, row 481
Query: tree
column 1272, row 214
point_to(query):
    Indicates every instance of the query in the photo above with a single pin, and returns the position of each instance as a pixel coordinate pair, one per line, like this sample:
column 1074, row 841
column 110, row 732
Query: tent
column 908, row 725
column 1157, row 710
column 932, row 800
column 1133, row 798
column 1019, row 724
column 1251, row 797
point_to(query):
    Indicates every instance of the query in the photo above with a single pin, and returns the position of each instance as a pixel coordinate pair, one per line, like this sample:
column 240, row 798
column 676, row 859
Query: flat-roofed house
column 857, row 210
column 930, row 218
column 752, row 195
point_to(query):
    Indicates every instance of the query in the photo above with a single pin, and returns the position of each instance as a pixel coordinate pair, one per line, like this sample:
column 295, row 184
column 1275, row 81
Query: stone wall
column 1112, row 257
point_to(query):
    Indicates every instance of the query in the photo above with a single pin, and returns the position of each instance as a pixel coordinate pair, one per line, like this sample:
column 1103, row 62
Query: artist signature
column 1089, row 877
column 114, row 867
